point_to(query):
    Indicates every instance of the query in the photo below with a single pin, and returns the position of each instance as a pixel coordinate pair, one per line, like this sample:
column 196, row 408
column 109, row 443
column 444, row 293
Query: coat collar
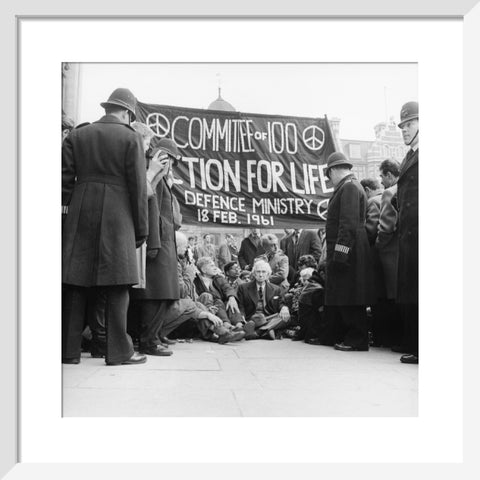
column 110, row 119
column 343, row 181
column 407, row 164
column 253, row 287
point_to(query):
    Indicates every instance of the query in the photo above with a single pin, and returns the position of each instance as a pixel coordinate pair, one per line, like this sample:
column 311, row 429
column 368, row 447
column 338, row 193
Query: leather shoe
column 249, row 327
column 313, row 341
column 348, row 348
column 409, row 359
column 71, row 361
column 298, row 338
column 167, row 341
column 269, row 335
column 231, row 337
column 157, row 351
column 133, row 360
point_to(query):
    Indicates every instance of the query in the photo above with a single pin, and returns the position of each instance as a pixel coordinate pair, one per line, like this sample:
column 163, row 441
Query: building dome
column 221, row 104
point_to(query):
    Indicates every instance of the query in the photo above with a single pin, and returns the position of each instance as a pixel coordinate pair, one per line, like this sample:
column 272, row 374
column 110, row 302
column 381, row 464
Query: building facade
column 367, row 155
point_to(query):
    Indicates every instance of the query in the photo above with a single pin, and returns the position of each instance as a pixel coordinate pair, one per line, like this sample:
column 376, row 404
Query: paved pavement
column 253, row 379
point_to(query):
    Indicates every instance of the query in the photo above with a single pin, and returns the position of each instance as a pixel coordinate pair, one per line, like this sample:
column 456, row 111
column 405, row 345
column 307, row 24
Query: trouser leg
column 119, row 344
column 96, row 321
column 381, row 323
column 354, row 319
column 207, row 330
column 133, row 319
column 178, row 312
column 410, row 321
column 273, row 324
column 152, row 316
column 396, row 323
column 74, row 307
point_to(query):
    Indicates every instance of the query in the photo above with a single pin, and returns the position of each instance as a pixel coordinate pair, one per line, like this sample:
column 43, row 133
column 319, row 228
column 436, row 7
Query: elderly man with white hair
column 261, row 303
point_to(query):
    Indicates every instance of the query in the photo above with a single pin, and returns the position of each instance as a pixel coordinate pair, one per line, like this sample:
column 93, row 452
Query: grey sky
column 361, row 95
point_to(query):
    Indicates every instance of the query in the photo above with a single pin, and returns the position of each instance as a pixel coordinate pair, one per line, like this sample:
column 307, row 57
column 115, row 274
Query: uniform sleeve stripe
column 64, row 208
column 341, row 248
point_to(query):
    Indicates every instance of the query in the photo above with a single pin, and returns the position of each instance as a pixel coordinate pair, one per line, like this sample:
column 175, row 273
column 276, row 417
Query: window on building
column 354, row 150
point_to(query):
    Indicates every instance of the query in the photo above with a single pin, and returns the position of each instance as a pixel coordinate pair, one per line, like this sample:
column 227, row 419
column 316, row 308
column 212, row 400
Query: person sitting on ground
column 245, row 276
column 292, row 298
column 261, row 304
column 201, row 321
column 208, row 281
column 305, row 261
column 232, row 275
column 277, row 260
column 311, row 309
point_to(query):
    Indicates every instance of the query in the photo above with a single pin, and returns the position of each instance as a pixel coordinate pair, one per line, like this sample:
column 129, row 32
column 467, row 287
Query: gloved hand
column 152, row 253
column 140, row 241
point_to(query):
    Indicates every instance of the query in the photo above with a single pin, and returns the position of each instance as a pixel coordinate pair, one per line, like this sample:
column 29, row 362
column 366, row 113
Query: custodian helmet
column 409, row 112
column 122, row 97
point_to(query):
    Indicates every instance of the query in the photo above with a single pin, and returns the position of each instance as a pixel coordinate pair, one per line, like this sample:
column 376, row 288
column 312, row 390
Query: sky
column 361, row 95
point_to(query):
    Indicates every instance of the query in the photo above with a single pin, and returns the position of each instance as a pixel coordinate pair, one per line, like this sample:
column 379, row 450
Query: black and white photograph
column 240, row 239
column 249, row 257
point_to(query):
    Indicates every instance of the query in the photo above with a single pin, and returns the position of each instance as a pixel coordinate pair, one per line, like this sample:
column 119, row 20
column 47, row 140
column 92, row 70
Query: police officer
column 348, row 267
column 407, row 204
column 104, row 193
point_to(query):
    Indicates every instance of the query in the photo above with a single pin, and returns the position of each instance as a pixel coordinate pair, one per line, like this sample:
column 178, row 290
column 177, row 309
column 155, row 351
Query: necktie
column 260, row 293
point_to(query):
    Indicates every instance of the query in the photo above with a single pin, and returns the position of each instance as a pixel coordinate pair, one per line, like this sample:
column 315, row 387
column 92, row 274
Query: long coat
column 247, row 296
column 387, row 241
column 308, row 244
column 407, row 201
column 161, row 271
column 349, row 276
column 104, row 187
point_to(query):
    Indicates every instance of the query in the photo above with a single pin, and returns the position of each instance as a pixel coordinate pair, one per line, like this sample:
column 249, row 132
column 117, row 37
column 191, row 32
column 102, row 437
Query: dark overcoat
column 104, row 187
column 407, row 202
column 349, row 271
column 162, row 271
column 247, row 295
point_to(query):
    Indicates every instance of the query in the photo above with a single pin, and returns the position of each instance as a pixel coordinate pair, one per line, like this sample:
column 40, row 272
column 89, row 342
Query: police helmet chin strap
column 409, row 143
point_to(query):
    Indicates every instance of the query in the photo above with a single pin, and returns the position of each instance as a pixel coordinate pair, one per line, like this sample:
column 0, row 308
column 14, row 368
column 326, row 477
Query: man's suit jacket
column 247, row 296
column 308, row 244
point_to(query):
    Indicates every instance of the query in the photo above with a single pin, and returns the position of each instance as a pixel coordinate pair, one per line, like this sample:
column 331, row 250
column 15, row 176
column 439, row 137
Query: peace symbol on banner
column 313, row 137
column 159, row 124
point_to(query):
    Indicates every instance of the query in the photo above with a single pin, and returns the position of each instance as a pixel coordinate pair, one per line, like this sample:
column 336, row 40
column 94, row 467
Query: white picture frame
column 9, row 432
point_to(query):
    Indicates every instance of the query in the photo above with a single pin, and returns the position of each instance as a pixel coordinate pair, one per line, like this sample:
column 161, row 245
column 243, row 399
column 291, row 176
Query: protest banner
column 246, row 170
